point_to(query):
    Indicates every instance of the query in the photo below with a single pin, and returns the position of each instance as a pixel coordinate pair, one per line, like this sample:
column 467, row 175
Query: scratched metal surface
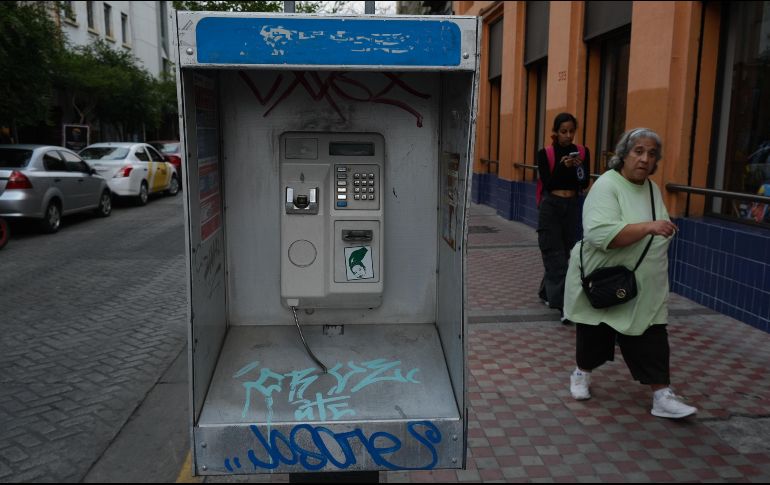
column 255, row 112
column 287, row 41
column 376, row 373
column 366, row 445
column 386, row 403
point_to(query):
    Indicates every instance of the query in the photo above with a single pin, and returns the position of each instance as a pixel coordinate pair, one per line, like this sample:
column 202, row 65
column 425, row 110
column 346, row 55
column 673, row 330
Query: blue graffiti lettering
column 379, row 446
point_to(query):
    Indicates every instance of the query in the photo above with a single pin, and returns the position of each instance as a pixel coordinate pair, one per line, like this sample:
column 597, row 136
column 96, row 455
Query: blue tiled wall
column 513, row 200
column 722, row 265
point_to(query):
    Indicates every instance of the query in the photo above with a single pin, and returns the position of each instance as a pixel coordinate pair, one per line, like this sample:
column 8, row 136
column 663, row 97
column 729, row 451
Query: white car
column 132, row 169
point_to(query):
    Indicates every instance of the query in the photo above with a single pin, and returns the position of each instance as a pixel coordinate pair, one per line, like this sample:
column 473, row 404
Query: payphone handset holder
column 302, row 203
column 332, row 225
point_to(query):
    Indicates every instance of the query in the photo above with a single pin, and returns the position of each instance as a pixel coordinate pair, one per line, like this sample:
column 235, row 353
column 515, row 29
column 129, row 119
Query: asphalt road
column 90, row 319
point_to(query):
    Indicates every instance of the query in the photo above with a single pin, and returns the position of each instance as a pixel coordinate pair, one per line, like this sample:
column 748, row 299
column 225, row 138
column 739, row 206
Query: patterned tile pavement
column 525, row 427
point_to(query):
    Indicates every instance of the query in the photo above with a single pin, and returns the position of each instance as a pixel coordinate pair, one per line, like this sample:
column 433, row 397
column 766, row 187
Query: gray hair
column 627, row 142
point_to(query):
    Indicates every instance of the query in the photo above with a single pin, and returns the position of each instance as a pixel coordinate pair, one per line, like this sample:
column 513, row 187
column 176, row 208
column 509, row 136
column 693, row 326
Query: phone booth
column 327, row 181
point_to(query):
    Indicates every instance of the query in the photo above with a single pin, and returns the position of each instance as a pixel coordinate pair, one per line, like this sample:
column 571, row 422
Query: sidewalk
column 525, row 426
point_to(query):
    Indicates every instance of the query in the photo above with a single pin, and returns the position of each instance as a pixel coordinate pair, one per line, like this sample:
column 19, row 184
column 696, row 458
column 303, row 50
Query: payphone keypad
column 357, row 187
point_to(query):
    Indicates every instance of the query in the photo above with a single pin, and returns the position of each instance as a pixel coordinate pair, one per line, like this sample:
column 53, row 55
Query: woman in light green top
column 617, row 224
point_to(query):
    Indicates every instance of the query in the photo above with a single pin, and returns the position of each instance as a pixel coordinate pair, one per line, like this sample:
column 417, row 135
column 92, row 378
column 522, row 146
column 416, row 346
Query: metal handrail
column 717, row 193
column 487, row 161
column 681, row 188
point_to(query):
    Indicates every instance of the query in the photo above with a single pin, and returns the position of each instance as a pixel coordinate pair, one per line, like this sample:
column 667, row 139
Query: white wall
column 143, row 37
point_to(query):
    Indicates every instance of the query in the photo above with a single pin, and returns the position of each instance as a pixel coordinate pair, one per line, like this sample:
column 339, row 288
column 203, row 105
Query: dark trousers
column 646, row 355
column 557, row 225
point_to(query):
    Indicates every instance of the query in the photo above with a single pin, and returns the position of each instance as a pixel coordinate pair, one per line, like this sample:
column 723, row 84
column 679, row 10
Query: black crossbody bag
column 613, row 285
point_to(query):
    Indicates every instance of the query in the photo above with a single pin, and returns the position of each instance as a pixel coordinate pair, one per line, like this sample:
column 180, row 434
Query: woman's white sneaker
column 578, row 385
column 666, row 404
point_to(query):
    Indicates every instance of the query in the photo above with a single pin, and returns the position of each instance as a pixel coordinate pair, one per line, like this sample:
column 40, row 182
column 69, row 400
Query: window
column 69, row 11
column 613, row 92
column 108, row 20
column 742, row 161
column 540, row 70
column 104, row 153
column 53, row 163
column 156, row 157
column 142, row 155
column 494, row 119
column 124, row 28
column 90, row 15
column 14, row 157
column 164, row 28
column 495, row 77
column 74, row 163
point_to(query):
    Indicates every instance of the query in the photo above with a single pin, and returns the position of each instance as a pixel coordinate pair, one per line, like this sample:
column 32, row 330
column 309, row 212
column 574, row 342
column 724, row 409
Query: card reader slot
column 357, row 235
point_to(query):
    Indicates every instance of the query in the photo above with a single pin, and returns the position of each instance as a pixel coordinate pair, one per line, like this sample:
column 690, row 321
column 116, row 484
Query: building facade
column 698, row 73
column 142, row 29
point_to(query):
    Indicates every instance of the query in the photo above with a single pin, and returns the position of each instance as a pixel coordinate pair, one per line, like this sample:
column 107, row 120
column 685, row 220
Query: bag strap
column 649, row 243
column 550, row 153
column 646, row 248
column 551, row 156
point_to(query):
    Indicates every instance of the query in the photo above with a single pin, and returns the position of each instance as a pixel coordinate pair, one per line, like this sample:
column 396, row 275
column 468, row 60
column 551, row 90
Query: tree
column 236, row 6
column 102, row 83
column 30, row 44
column 164, row 91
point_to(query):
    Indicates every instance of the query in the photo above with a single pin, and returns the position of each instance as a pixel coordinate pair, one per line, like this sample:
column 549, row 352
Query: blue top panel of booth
column 317, row 42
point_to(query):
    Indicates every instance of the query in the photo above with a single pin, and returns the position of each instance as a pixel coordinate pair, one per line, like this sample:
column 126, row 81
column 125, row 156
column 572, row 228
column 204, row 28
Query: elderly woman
column 618, row 224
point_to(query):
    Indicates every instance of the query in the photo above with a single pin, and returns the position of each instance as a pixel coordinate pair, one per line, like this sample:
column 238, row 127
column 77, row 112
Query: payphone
column 326, row 175
column 332, row 220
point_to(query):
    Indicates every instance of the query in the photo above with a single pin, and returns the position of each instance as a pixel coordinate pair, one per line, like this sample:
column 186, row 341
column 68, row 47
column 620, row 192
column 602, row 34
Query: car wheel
column 5, row 233
column 52, row 218
column 173, row 186
column 105, row 204
column 143, row 194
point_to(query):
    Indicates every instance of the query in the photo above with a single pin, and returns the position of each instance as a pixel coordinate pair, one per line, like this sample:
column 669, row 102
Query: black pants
column 646, row 355
column 557, row 225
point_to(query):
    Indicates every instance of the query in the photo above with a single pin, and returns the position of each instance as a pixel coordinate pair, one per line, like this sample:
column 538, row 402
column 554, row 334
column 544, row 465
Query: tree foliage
column 30, row 44
column 98, row 82
column 102, row 83
column 236, row 6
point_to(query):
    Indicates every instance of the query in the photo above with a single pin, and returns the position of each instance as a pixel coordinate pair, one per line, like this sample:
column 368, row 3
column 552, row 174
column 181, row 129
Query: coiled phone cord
column 309, row 352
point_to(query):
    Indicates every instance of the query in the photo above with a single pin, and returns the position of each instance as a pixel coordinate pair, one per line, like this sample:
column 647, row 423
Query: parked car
column 46, row 182
column 172, row 150
column 132, row 169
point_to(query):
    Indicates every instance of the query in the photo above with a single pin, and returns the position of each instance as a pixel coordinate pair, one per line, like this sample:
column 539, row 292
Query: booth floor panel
column 375, row 373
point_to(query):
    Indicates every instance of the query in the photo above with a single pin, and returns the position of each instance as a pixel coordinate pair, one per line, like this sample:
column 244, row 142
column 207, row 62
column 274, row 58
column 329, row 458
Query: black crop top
column 562, row 177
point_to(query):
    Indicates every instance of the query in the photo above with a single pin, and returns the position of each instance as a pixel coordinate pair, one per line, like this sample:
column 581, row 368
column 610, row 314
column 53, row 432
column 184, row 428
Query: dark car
column 172, row 150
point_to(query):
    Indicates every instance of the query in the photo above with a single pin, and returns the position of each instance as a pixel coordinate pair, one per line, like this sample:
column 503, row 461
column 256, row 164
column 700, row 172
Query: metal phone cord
column 309, row 352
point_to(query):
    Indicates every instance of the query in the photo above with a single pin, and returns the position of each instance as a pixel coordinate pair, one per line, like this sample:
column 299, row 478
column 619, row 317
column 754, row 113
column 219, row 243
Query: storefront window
column 743, row 153
column 540, row 127
column 615, row 51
